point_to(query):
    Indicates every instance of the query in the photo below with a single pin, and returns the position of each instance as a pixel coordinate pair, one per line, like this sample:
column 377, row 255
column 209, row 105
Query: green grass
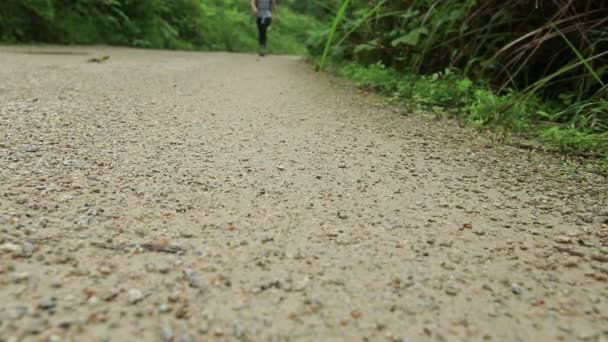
column 449, row 92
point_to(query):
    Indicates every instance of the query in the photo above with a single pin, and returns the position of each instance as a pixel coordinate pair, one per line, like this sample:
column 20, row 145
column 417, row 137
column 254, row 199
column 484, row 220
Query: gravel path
column 180, row 196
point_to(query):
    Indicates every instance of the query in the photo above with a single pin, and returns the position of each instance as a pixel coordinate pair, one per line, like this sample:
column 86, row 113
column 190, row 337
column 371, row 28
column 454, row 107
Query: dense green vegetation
column 175, row 24
column 538, row 68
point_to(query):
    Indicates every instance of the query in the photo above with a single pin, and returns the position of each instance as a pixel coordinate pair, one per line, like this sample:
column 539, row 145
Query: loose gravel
column 174, row 196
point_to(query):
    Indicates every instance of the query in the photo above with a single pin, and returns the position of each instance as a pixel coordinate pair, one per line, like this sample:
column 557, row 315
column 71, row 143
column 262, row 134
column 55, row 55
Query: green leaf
column 465, row 85
column 409, row 14
column 412, row 38
column 364, row 47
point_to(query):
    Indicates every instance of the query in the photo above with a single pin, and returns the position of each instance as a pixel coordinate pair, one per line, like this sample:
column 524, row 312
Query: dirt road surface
column 174, row 196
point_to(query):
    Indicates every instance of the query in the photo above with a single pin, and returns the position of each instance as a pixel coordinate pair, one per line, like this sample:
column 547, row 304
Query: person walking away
column 262, row 9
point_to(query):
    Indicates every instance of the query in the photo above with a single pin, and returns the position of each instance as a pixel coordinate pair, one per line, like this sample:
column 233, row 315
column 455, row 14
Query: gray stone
column 586, row 217
column 9, row 248
column 516, row 289
column 164, row 308
column 36, row 326
column 452, row 289
column 47, row 303
column 27, row 249
column 134, row 296
column 193, row 278
column 18, row 312
column 185, row 337
column 166, row 334
column 164, row 268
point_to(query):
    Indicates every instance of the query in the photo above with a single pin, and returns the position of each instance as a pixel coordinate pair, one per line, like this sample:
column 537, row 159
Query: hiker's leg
column 267, row 23
column 263, row 28
column 261, row 32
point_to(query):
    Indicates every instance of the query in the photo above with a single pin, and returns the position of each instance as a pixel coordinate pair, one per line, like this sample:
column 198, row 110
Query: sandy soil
column 181, row 196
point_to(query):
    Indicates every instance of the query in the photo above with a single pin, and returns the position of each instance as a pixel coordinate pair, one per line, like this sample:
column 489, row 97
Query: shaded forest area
column 174, row 24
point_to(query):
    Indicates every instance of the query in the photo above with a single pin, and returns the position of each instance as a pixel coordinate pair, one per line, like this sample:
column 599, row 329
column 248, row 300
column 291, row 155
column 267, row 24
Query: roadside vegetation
column 226, row 25
column 538, row 69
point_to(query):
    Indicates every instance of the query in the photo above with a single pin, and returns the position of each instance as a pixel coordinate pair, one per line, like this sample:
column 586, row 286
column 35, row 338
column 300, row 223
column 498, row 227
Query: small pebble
column 47, row 303
column 516, row 289
column 571, row 261
column 185, row 337
column 166, row 334
column 18, row 312
column 9, row 248
column 164, row 308
column 27, row 250
column 36, row 326
column 452, row 290
column 193, row 278
column 174, row 296
column 134, row 296
column 164, row 268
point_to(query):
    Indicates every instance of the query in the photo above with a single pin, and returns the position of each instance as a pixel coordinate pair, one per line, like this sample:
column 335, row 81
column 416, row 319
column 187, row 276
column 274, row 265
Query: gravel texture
column 173, row 196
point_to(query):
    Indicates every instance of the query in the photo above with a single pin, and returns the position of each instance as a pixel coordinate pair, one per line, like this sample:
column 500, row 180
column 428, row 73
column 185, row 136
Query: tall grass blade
column 363, row 20
column 580, row 57
column 334, row 26
column 534, row 87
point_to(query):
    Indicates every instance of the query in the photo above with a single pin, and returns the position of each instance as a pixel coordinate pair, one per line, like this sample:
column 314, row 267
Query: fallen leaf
column 539, row 302
column 598, row 276
column 89, row 292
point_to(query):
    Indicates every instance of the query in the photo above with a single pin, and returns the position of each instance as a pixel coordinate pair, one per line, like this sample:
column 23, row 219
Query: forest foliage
column 174, row 24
